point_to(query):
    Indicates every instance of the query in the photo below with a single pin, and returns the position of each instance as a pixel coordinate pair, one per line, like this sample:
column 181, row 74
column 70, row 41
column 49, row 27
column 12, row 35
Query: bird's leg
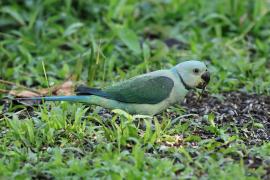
column 201, row 94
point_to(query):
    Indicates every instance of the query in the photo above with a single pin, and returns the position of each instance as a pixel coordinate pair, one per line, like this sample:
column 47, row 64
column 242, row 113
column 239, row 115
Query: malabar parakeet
column 146, row 94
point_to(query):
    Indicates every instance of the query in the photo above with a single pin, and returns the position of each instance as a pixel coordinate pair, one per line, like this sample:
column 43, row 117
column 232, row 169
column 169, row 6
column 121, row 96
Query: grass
column 100, row 42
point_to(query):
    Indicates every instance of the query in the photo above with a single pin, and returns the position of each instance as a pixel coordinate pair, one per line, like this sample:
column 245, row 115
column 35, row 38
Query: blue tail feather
column 58, row 98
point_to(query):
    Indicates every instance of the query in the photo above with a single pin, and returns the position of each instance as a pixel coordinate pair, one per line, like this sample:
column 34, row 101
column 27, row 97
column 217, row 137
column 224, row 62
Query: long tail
column 83, row 99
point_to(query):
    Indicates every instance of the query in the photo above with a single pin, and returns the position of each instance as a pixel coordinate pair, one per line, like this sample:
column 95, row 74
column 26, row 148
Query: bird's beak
column 206, row 78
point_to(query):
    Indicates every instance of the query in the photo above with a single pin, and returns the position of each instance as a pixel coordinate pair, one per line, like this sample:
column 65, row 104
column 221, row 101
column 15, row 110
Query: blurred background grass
column 104, row 41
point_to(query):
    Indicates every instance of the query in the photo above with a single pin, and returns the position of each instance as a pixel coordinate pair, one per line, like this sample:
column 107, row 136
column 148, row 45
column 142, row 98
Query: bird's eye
column 196, row 70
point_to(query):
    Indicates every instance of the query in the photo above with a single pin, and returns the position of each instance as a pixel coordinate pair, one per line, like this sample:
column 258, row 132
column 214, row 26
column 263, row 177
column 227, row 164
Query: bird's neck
column 187, row 87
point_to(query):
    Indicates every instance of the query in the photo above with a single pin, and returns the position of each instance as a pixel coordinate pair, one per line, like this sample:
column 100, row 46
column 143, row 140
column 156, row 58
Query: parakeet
column 146, row 94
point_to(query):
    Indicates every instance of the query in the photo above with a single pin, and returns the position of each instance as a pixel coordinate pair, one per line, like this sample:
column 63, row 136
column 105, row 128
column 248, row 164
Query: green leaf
column 14, row 14
column 122, row 113
column 130, row 39
column 73, row 28
column 211, row 118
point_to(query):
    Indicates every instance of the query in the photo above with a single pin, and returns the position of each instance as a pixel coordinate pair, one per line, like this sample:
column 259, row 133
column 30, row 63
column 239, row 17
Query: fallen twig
column 4, row 91
column 17, row 85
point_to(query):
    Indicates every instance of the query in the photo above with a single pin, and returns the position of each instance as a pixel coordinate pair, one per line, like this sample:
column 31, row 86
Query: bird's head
column 193, row 74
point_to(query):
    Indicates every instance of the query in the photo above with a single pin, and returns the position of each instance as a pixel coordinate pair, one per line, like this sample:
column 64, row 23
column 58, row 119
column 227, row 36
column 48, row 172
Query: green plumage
column 142, row 90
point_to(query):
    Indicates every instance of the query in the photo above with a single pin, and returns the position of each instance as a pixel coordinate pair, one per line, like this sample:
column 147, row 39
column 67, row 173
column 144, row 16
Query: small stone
column 231, row 112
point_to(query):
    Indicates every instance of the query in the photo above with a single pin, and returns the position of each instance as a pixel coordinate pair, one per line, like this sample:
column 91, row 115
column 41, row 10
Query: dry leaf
column 173, row 141
column 24, row 93
column 67, row 88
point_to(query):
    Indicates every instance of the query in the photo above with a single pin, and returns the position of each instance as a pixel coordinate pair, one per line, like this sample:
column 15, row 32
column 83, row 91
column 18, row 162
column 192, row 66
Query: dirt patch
column 250, row 113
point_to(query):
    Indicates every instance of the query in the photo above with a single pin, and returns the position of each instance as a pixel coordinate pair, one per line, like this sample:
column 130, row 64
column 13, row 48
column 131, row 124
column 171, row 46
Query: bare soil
column 250, row 113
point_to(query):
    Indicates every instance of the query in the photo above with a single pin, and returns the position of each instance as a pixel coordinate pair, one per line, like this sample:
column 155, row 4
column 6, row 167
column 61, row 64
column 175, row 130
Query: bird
column 146, row 94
